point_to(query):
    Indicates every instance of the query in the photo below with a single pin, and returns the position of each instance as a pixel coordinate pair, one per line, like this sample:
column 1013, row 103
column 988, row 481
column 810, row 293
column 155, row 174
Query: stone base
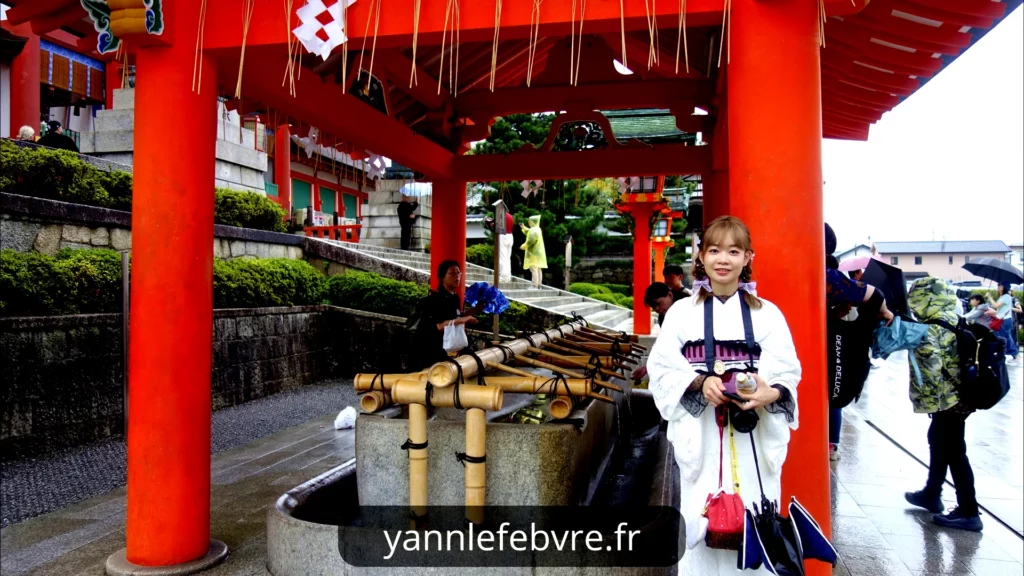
column 118, row 564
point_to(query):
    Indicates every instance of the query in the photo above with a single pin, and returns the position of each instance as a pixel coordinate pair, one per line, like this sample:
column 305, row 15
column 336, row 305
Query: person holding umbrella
column 1003, row 310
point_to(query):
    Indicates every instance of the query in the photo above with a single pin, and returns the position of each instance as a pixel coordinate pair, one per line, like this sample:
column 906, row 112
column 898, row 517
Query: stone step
column 552, row 301
column 103, row 142
column 609, row 317
column 115, row 120
column 583, row 309
column 124, row 99
column 519, row 293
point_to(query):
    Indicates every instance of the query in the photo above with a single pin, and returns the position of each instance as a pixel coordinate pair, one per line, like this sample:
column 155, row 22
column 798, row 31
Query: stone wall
column 380, row 218
column 602, row 275
column 63, row 376
column 239, row 165
column 30, row 224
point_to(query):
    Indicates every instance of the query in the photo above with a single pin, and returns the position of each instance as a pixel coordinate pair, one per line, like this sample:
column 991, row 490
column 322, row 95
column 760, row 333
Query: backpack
column 983, row 378
column 412, row 323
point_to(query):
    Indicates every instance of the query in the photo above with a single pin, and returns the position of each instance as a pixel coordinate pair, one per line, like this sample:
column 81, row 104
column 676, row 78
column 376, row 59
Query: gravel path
column 35, row 486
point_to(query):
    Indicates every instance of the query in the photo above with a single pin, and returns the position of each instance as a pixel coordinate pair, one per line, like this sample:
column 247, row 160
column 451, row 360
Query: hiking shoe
column 921, row 500
column 833, row 452
column 955, row 519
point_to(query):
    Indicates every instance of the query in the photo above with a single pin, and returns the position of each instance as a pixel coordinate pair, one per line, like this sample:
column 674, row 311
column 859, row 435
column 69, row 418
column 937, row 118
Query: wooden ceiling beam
column 662, row 159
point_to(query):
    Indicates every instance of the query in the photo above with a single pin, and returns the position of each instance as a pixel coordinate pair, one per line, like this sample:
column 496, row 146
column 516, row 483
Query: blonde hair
column 720, row 230
column 26, row 133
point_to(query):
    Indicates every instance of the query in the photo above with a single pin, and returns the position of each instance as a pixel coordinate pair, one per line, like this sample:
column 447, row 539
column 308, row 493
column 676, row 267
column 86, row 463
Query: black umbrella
column 888, row 279
column 999, row 271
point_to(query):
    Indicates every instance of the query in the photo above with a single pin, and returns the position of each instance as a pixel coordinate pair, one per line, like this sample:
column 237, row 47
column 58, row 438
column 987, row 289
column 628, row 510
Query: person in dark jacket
column 56, row 138
column 439, row 308
column 674, row 277
column 406, row 218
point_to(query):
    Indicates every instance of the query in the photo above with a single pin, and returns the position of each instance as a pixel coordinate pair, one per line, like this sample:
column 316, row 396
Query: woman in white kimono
column 683, row 388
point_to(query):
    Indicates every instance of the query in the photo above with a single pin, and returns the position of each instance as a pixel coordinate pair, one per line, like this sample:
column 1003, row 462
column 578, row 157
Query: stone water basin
column 615, row 455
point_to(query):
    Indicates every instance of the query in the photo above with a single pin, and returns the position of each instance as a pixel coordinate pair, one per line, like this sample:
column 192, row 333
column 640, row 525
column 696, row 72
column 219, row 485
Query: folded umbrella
column 899, row 335
column 496, row 302
column 890, row 281
column 813, row 541
column 999, row 271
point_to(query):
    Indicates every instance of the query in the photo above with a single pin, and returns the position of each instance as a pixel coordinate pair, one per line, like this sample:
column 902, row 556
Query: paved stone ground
column 874, row 529
column 885, row 453
column 36, row 486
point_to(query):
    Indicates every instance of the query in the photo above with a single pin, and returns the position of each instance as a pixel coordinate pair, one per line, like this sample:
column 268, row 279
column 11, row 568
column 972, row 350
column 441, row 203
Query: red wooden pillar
column 283, row 167
column 775, row 179
column 659, row 260
column 641, row 269
column 25, row 96
column 171, row 306
column 448, row 228
column 114, row 74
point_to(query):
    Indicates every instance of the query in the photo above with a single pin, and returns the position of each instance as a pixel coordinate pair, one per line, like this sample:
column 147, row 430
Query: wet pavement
column 884, row 453
column 884, row 450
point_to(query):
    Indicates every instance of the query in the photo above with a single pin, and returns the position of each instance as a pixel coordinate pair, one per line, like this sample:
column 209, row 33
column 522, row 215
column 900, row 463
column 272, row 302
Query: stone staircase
column 596, row 312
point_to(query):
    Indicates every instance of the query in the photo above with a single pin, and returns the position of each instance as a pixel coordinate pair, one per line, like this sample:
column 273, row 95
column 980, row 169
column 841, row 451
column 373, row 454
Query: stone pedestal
column 240, row 166
column 380, row 218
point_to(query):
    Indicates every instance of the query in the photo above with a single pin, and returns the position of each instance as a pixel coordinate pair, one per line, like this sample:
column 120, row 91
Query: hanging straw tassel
column 451, row 13
column 822, row 19
column 576, row 46
column 197, row 70
column 622, row 30
column 416, row 33
column 289, row 68
column 681, row 38
column 652, row 31
column 726, row 26
column 535, row 36
column 344, row 47
column 246, row 19
column 494, row 46
column 375, row 10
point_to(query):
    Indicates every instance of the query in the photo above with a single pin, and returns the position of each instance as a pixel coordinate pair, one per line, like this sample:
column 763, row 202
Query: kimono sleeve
column 779, row 364
column 670, row 372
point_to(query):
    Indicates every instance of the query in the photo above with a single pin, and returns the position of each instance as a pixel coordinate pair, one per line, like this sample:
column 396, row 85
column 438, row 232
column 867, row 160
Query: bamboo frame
column 374, row 401
column 577, row 363
column 363, row 382
column 610, row 338
column 418, row 460
column 413, row 392
column 567, row 372
column 476, row 472
column 606, row 360
column 560, row 408
column 588, row 348
column 444, row 374
column 605, row 347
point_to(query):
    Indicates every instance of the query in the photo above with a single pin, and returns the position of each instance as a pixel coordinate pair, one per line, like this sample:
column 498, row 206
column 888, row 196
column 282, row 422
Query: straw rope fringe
column 494, row 47
column 451, row 14
column 652, row 31
column 535, row 35
column 822, row 19
column 723, row 42
column 197, row 69
column 579, row 47
column 289, row 68
column 344, row 47
column 681, row 38
column 622, row 30
column 413, row 80
column 247, row 11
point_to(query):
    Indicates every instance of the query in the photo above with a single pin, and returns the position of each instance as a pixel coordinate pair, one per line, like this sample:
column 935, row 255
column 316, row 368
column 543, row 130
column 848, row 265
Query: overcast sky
column 948, row 162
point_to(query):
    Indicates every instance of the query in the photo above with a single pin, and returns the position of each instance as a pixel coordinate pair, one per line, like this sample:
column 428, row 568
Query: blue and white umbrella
column 416, row 189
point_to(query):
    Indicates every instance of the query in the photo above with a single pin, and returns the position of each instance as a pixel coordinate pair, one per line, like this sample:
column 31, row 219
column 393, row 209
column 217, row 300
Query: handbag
column 724, row 511
column 455, row 337
column 995, row 324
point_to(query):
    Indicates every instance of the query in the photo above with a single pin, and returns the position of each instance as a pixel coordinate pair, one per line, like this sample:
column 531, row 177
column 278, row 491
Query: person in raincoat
column 935, row 394
column 535, row 259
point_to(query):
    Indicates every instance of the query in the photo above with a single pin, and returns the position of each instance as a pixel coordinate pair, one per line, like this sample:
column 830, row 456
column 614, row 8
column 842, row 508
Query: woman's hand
column 466, row 320
column 713, row 391
column 762, row 396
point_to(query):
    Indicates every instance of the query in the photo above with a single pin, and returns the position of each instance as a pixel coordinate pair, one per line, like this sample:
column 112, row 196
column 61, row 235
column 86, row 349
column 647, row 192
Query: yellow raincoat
column 534, row 246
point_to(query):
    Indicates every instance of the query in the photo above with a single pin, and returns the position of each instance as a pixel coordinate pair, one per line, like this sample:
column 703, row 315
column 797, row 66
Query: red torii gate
column 774, row 97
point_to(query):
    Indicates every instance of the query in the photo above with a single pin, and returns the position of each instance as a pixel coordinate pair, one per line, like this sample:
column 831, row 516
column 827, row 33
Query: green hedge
column 259, row 282
column 588, row 289
column 481, row 255
column 64, row 176
column 61, row 175
column 618, row 289
column 247, row 210
column 89, row 281
column 72, row 282
column 374, row 293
